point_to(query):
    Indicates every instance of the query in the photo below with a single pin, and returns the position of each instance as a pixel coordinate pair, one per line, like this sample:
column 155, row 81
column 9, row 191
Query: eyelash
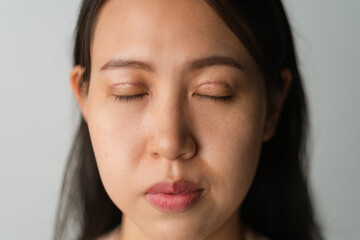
column 129, row 98
column 223, row 99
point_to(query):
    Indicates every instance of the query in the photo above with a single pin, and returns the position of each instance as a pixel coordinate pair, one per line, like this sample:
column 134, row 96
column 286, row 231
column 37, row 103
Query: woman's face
column 173, row 96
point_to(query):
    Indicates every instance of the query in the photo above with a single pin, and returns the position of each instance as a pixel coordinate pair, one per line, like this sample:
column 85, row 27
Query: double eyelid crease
column 213, row 83
column 129, row 84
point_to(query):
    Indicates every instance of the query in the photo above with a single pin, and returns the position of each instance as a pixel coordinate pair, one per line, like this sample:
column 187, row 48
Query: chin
column 178, row 230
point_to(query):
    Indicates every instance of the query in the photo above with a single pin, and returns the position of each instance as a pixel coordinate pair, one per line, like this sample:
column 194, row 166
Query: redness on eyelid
column 137, row 84
column 213, row 83
column 128, row 89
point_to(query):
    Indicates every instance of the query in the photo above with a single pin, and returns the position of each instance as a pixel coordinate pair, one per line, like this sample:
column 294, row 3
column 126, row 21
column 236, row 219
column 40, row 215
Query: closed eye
column 130, row 98
column 224, row 99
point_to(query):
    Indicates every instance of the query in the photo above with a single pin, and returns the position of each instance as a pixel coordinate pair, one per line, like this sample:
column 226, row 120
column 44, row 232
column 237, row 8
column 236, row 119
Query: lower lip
column 174, row 202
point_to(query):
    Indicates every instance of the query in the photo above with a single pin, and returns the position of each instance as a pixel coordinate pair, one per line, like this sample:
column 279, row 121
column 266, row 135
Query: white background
column 38, row 115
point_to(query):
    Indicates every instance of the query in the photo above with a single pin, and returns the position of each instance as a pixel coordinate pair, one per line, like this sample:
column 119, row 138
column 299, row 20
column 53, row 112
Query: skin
column 175, row 131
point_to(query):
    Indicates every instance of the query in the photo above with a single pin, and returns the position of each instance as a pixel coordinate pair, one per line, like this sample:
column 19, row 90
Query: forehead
column 162, row 30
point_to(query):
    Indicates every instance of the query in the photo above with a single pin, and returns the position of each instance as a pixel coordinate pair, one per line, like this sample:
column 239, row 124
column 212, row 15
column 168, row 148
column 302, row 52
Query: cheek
column 116, row 140
column 231, row 152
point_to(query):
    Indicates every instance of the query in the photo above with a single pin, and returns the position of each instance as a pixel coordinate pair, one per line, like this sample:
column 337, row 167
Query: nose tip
column 173, row 145
column 171, row 135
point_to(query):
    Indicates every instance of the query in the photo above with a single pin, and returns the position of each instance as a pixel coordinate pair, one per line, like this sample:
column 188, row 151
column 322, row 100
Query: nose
column 170, row 132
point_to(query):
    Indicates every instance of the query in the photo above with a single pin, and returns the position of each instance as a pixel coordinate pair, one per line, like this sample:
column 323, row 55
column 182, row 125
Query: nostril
column 155, row 155
column 178, row 151
column 171, row 140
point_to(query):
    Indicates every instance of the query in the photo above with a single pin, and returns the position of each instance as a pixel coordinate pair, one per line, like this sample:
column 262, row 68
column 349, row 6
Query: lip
column 176, row 196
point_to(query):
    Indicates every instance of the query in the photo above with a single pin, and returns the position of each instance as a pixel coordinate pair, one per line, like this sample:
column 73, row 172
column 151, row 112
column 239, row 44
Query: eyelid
column 136, row 84
column 129, row 89
column 213, row 96
column 213, row 83
column 128, row 98
column 225, row 99
column 211, row 89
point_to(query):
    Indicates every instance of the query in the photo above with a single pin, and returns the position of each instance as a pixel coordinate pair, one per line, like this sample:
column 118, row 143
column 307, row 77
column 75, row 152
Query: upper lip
column 178, row 187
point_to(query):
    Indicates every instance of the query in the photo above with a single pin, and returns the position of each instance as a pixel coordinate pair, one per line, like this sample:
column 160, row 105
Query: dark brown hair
column 278, row 204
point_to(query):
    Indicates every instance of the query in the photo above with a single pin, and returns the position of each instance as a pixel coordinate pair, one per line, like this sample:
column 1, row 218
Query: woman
column 193, row 124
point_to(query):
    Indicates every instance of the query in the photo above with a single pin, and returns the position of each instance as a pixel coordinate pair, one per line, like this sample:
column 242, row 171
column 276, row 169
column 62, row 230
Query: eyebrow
column 192, row 66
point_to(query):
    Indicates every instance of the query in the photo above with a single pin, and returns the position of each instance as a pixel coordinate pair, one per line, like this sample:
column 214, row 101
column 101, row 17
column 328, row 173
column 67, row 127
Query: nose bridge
column 170, row 133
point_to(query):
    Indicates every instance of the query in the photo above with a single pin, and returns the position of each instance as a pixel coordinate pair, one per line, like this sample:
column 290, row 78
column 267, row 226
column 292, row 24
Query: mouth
column 176, row 196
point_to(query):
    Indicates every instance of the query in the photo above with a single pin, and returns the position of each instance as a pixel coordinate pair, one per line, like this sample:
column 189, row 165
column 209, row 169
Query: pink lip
column 173, row 196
